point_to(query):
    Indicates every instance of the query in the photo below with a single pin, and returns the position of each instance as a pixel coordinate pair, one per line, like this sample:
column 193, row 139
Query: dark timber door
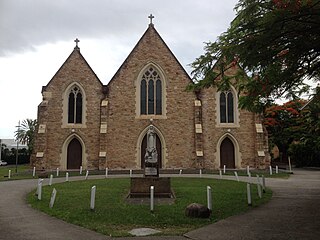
column 143, row 150
column 74, row 157
column 227, row 154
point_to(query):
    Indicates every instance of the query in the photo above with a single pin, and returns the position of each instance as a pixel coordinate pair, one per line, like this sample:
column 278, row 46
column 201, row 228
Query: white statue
column 151, row 155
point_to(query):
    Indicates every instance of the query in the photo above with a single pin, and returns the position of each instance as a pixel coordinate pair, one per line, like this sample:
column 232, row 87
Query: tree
column 25, row 133
column 284, row 125
column 275, row 42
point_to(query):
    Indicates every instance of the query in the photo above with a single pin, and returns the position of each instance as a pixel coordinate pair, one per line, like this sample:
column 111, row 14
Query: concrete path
column 293, row 213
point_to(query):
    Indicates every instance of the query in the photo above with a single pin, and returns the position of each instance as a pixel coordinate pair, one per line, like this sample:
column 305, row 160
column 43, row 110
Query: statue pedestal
column 140, row 187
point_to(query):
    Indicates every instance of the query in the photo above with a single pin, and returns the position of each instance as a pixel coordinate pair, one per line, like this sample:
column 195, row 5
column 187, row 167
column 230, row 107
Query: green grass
column 113, row 216
column 24, row 172
column 266, row 173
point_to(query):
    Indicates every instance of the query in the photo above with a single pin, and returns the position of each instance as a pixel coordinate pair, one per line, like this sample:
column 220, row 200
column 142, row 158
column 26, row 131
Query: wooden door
column 143, row 150
column 74, row 158
column 227, row 154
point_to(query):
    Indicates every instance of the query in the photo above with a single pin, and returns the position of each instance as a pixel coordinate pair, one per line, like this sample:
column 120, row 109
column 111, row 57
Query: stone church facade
column 83, row 122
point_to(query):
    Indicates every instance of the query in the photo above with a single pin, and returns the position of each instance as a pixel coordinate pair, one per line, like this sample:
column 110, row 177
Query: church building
column 83, row 122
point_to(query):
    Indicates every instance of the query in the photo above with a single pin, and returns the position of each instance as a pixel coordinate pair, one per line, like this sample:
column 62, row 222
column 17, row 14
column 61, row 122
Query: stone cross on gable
column 151, row 17
column 76, row 41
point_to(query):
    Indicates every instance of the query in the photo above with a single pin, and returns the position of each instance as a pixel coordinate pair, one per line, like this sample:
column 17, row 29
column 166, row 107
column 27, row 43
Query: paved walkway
column 293, row 213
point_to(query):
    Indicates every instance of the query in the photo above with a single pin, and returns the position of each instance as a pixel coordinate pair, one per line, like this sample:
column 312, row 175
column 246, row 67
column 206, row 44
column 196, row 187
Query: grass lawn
column 24, row 172
column 113, row 216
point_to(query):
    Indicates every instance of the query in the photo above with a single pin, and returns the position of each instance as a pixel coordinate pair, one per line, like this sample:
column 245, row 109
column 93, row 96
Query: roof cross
column 151, row 17
column 76, row 41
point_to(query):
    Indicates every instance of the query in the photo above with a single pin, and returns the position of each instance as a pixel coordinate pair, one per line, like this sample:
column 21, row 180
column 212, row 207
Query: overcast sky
column 36, row 37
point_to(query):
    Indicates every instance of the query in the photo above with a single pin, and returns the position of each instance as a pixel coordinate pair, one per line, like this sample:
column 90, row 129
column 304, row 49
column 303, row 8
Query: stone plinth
column 140, row 187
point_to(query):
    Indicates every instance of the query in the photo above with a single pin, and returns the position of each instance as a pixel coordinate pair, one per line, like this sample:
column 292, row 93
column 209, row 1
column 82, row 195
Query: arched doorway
column 143, row 150
column 227, row 154
column 74, row 154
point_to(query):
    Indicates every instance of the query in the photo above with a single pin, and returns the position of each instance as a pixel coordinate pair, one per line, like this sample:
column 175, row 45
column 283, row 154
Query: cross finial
column 151, row 17
column 76, row 41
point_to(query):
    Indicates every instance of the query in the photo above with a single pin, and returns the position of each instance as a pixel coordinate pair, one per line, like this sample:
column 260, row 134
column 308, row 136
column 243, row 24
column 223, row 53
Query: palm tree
column 25, row 133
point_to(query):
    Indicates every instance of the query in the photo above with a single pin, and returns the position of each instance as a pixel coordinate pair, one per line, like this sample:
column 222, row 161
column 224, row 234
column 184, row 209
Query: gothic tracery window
column 226, row 107
column 75, row 105
column 151, row 93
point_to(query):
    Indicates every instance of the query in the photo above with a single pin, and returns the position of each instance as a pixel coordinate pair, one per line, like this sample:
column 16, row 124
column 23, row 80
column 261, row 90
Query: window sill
column 151, row 117
column 228, row 125
column 74, row 125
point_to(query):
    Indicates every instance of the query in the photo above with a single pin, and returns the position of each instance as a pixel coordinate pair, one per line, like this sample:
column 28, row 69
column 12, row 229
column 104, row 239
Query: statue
column 151, row 156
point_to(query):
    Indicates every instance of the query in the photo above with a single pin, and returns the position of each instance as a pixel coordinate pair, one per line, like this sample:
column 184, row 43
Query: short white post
column 259, row 190
column 53, row 197
column 50, row 179
column 248, row 170
column 209, row 198
column 106, row 172
column 130, row 172
column 263, row 183
column 200, row 173
column 80, row 170
column 270, row 170
column 180, row 171
column 277, row 169
column 249, row 194
column 34, row 172
column 57, row 172
column 37, row 192
column 258, row 179
column 151, row 198
column 9, row 174
column 93, row 196
column 220, row 173
column 289, row 161
column 67, row 177
column 224, row 169
column 40, row 189
column 249, row 175
column 87, row 174
column 237, row 177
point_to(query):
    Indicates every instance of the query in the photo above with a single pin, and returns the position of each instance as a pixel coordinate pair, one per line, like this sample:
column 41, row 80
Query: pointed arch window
column 151, row 93
column 226, row 107
column 75, row 103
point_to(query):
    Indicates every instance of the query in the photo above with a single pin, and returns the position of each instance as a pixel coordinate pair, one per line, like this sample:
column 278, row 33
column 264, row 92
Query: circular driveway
column 292, row 213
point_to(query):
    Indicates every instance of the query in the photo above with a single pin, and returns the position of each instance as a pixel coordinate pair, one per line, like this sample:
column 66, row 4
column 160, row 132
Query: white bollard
column 237, row 177
column 130, row 172
column 87, row 174
column 57, row 172
column 37, row 192
column 258, row 179
column 34, row 172
column 67, row 177
column 50, row 180
column 209, row 198
column 40, row 189
column 277, row 169
column 93, row 196
column 151, row 198
column 248, row 170
column 263, row 183
column 224, row 169
column 200, row 173
column 9, row 174
column 53, row 197
column 106, row 172
column 259, row 190
column 80, row 170
column 289, row 161
column 220, row 173
column 270, row 170
column 249, row 194
column 180, row 172
column 249, row 175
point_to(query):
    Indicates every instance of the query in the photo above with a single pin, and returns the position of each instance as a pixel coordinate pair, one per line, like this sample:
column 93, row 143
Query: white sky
column 36, row 37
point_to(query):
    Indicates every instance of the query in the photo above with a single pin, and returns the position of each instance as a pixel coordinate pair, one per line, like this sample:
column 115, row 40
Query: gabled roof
column 149, row 29
column 76, row 50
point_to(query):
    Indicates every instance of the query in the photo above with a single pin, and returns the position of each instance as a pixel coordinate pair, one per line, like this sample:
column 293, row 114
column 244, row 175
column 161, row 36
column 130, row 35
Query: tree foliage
column 275, row 42
column 25, row 133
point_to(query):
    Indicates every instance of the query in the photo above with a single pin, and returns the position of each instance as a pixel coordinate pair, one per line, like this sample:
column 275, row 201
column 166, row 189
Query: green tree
column 25, row 133
column 275, row 42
